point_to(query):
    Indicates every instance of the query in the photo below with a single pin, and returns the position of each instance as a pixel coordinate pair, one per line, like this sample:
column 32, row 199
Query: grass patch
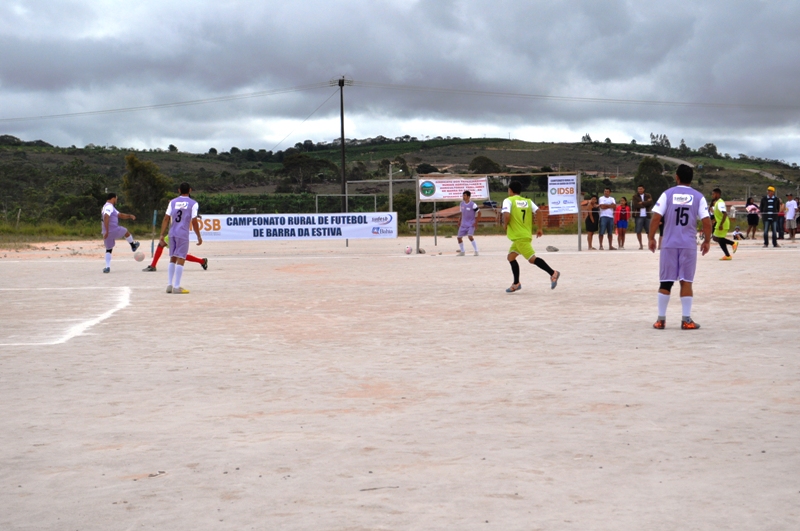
column 20, row 237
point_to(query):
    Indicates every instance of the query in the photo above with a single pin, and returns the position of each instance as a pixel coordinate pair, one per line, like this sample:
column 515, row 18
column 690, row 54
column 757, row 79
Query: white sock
column 474, row 245
column 108, row 259
column 461, row 246
column 178, row 275
column 686, row 304
column 171, row 272
column 663, row 301
column 129, row 239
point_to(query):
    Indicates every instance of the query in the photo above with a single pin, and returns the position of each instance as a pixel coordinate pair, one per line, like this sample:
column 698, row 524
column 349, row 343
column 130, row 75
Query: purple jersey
column 681, row 207
column 468, row 211
column 182, row 210
column 113, row 217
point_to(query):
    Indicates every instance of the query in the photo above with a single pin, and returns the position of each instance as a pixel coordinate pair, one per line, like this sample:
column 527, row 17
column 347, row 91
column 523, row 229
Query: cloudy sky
column 704, row 71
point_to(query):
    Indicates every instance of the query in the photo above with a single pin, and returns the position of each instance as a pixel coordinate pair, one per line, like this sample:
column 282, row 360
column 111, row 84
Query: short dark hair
column 717, row 190
column 640, row 186
column 685, row 174
column 606, row 188
column 111, row 195
column 184, row 188
column 515, row 186
column 469, row 194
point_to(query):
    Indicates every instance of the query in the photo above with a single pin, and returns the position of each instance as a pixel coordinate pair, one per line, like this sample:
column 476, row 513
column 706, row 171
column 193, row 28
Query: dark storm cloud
column 67, row 57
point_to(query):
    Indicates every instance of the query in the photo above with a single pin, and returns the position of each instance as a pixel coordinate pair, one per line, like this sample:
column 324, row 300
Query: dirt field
column 317, row 386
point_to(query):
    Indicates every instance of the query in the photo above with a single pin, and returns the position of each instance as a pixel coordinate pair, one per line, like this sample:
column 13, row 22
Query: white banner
column 562, row 194
column 357, row 225
column 436, row 189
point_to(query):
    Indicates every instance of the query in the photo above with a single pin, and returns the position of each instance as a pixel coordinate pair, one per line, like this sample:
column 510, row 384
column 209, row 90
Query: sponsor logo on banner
column 556, row 203
column 427, row 188
column 382, row 230
column 682, row 199
column 382, row 220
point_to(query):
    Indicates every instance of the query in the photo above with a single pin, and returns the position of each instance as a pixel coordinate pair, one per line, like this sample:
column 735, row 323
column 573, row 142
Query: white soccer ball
column 408, row 249
column 138, row 256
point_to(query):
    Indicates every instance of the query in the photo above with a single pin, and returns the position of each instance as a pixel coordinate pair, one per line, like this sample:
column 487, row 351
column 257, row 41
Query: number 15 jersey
column 681, row 207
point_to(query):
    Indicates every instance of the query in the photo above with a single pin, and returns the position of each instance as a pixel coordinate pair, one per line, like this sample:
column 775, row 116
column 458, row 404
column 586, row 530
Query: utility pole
column 341, row 82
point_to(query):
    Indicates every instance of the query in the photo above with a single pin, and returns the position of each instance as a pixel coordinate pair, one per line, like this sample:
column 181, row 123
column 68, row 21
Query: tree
column 424, row 168
column 683, row 148
column 302, row 168
column 709, row 150
column 481, row 164
column 586, row 139
column 172, row 148
column 650, row 175
column 144, row 186
column 212, row 151
column 608, row 140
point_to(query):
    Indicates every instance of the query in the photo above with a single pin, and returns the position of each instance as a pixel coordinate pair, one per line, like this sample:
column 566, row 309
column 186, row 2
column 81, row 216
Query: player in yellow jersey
column 723, row 224
column 518, row 215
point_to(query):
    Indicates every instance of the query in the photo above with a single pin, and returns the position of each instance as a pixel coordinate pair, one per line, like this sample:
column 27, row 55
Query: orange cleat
column 689, row 325
column 660, row 324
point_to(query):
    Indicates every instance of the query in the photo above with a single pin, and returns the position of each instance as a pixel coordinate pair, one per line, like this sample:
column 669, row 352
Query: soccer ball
column 138, row 256
column 408, row 249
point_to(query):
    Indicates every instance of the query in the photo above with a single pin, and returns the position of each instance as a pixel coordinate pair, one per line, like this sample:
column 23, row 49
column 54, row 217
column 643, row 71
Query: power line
column 232, row 97
column 307, row 118
column 466, row 92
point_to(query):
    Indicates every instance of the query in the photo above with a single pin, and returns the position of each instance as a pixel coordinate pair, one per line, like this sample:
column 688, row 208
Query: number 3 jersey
column 182, row 210
column 681, row 207
column 520, row 221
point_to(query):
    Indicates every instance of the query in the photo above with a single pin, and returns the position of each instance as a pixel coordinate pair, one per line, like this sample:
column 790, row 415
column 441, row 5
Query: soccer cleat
column 660, row 324
column 554, row 279
column 149, row 268
column 476, row 253
column 726, row 258
column 106, row 270
column 179, row 291
column 134, row 246
column 735, row 246
column 204, row 264
column 512, row 289
column 460, row 253
column 689, row 325
column 169, row 289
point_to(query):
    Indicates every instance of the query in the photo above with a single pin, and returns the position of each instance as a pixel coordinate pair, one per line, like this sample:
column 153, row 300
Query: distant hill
column 37, row 176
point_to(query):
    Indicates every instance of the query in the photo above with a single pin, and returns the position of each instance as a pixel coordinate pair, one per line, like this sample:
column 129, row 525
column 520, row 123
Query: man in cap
column 770, row 207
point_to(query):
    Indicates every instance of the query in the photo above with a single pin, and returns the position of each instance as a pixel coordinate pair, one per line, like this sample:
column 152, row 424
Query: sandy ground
column 318, row 386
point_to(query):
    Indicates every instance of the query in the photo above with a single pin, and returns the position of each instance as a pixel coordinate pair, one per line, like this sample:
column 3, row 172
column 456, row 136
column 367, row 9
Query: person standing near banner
column 467, row 222
column 680, row 207
column 607, row 204
column 518, row 215
column 181, row 215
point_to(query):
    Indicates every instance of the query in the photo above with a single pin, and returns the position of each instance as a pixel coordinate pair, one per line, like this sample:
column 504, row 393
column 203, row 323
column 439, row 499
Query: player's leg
column 181, row 249
column 156, row 257
column 462, row 231
column 723, row 244
column 472, row 240
column 109, row 242
column 129, row 238
column 107, row 269
column 541, row 264
column 667, row 274
column 687, row 264
column 512, row 260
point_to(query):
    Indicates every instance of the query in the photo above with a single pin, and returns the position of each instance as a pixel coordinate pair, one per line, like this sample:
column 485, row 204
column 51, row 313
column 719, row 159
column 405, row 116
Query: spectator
column 752, row 218
column 607, row 204
column 737, row 234
column 621, row 216
column 641, row 203
column 591, row 220
column 770, row 206
column 790, row 209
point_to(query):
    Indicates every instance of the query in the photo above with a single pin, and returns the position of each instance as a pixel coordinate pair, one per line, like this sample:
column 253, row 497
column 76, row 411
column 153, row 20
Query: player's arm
column 506, row 217
column 477, row 215
column 127, row 216
column 651, row 234
column 707, row 233
column 164, row 227
column 106, row 221
column 196, row 227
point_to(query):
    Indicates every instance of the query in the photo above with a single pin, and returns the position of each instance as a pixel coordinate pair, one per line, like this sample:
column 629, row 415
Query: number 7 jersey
column 520, row 221
column 681, row 207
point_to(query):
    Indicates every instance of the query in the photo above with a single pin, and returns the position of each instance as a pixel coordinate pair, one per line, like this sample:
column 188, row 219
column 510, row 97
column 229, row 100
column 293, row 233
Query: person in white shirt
column 607, row 204
column 790, row 210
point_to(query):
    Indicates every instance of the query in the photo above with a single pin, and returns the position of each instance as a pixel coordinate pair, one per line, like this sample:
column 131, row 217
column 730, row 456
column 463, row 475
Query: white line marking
column 80, row 328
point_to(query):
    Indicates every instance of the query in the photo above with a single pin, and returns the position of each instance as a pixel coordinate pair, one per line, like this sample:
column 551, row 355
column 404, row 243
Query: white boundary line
column 80, row 328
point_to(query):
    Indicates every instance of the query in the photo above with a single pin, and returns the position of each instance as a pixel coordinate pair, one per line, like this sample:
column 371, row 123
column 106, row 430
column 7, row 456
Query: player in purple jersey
column 112, row 230
column 181, row 217
column 467, row 222
column 680, row 207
